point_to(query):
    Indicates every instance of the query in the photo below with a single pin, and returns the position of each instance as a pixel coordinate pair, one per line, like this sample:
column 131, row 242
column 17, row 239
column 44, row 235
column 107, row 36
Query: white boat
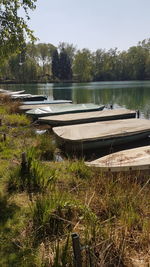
column 86, row 117
column 66, row 109
column 25, row 108
column 42, row 104
column 126, row 160
column 101, row 134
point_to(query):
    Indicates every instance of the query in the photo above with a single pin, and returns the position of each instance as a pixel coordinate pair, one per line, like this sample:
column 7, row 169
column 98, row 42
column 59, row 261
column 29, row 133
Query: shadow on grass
column 7, row 210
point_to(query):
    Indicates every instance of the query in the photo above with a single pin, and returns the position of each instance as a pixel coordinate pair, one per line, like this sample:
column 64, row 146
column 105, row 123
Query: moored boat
column 74, row 108
column 101, row 134
column 41, row 104
column 78, row 118
column 28, row 97
column 126, row 160
column 25, row 108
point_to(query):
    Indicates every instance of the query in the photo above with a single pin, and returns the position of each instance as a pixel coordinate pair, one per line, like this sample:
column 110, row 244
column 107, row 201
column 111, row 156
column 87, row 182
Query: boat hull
column 135, row 159
column 65, row 110
column 101, row 134
column 88, row 117
column 28, row 97
column 77, row 146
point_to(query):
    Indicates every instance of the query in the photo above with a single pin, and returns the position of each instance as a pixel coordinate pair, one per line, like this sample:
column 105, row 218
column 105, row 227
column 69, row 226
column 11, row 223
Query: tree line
column 47, row 63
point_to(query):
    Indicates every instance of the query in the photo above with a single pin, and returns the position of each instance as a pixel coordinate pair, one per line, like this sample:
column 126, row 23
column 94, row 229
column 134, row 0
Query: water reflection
column 133, row 95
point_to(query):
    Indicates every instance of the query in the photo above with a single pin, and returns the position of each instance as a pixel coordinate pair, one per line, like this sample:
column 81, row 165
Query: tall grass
column 46, row 147
column 111, row 213
column 32, row 178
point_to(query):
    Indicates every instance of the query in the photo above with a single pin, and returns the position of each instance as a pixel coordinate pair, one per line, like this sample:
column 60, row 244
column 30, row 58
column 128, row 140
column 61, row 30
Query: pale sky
column 92, row 24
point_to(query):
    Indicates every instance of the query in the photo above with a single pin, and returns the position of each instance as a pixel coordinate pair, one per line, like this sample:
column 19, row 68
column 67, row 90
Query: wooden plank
column 78, row 118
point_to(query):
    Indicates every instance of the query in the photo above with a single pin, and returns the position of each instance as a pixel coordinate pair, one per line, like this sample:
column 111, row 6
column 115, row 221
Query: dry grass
column 111, row 213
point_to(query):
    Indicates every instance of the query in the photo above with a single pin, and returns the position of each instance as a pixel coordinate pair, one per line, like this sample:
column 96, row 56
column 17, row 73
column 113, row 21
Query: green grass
column 33, row 177
column 41, row 205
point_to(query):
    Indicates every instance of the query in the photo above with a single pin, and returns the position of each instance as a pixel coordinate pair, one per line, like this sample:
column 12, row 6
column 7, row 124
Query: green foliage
column 79, row 169
column 45, row 62
column 65, row 71
column 14, row 28
column 82, row 65
column 55, row 64
column 16, row 120
column 56, row 214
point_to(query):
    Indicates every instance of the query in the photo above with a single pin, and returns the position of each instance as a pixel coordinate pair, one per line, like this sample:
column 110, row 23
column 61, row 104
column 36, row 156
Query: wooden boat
column 42, row 104
column 78, row 118
column 74, row 108
column 126, row 160
column 26, row 97
column 101, row 134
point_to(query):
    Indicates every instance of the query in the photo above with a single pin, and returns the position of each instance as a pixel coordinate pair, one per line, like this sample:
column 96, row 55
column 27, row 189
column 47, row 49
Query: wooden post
column 24, row 162
column 138, row 113
column 4, row 137
column 76, row 250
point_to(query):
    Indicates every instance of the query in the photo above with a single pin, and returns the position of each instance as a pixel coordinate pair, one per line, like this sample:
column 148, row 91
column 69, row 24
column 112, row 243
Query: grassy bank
column 43, row 201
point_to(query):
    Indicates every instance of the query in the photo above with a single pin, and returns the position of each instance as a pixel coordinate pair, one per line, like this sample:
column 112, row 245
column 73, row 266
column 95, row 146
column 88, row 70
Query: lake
column 133, row 95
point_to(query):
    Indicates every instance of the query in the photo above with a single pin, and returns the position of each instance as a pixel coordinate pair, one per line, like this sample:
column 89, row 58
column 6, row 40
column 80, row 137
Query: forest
column 46, row 63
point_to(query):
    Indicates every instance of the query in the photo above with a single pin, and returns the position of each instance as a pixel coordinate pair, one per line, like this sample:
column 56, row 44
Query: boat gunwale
column 119, row 168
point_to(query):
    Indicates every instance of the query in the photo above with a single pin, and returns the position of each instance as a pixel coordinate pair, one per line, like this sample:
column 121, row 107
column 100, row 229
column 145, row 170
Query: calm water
column 133, row 95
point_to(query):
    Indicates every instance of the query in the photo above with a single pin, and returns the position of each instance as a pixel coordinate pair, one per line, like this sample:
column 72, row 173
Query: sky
column 92, row 24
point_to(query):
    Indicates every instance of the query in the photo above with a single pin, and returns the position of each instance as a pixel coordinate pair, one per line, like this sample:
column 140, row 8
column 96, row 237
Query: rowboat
column 101, row 134
column 26, row 97
column 42, row 104
column 25, row 108
column 78, row 118
column 126, row 160
column 74, row 108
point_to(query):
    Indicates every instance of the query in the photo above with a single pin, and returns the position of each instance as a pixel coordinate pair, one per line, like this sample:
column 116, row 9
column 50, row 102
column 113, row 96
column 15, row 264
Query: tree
column 65, row 71
column 83, row 65
column 55, row 64
column 70, row 49
column 14, row 28
column 136, row 60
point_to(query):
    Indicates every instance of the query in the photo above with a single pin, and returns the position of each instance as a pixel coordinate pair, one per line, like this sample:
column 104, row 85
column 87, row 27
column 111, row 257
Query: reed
column 43, row 204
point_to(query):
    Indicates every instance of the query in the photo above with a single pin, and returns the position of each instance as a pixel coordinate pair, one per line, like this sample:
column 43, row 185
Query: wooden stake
column 24, row 162
column 76, row 250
